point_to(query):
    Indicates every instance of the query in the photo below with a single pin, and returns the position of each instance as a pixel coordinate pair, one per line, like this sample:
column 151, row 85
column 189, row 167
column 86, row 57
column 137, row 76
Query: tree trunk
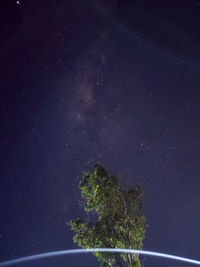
column 118, row 261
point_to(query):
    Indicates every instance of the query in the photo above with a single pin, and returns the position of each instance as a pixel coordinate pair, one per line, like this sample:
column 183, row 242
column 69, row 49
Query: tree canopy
column 120, row 222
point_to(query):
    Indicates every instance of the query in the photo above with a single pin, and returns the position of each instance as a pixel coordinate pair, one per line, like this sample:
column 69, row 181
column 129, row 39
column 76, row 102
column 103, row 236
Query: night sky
column 110, row 82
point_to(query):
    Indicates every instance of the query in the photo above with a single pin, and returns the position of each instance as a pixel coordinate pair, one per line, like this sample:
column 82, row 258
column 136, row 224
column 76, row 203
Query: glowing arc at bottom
column 76, row 251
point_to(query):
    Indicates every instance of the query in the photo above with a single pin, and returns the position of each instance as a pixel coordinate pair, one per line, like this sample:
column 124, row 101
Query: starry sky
column 113, row 82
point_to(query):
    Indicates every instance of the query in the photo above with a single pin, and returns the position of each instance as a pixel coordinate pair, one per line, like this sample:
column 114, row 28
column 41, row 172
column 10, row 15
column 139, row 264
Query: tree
column 120, row 221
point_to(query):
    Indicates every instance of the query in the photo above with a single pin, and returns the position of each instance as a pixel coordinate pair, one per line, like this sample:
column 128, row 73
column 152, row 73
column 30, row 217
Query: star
column 17, row 2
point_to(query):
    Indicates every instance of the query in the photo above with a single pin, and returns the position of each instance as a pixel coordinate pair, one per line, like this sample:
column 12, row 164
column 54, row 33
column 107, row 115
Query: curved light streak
column 110, row 250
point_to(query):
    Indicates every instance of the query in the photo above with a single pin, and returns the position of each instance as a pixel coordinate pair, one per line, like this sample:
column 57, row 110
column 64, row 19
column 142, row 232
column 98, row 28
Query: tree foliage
column 120, row 221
